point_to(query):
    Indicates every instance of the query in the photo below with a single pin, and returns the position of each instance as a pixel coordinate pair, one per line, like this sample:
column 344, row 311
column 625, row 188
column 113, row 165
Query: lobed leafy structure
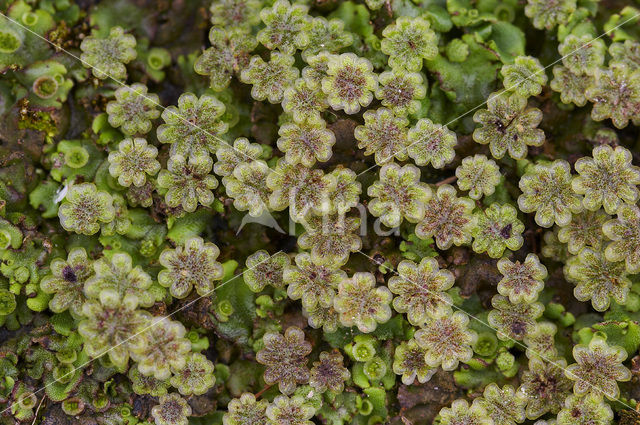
column 296, row 212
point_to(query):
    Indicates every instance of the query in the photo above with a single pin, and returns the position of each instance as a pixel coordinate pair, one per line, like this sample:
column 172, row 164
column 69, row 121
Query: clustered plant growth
column 297, row 212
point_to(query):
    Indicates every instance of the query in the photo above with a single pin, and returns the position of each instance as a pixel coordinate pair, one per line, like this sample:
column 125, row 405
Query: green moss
column 135, row 288
column 9, row 41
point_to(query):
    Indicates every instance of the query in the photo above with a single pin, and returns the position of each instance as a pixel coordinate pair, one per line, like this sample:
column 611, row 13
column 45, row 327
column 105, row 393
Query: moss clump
column 294, row 212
